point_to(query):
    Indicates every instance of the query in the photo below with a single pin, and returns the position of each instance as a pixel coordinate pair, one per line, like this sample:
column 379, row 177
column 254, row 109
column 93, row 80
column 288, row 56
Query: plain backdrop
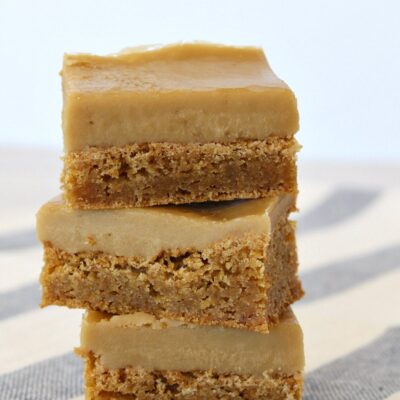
column 341, row 57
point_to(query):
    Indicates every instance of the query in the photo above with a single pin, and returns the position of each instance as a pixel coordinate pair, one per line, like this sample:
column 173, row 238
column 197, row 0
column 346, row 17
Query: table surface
column 349, row 248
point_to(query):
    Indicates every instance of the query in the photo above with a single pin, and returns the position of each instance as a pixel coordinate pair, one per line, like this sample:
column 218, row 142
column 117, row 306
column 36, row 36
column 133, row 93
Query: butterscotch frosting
column 146, row 232
column 140, row 340
column 181, row 93
column 199, row 66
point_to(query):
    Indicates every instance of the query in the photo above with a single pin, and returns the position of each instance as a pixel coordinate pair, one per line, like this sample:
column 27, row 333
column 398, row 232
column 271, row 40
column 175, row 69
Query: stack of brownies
column 173, row 231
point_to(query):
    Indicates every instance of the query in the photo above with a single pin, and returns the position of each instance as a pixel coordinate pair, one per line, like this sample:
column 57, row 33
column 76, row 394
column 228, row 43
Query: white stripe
column 374, row 228
column 358, row 174
column 15, row 219
column 338, row 325
column 38, row 335
column 19, row 268
column 395, row 396
column 311, row 194
column 29, row 178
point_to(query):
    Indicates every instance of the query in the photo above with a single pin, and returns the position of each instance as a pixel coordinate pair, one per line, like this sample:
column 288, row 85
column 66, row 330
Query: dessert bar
column 176, row 124
column 140, row 357
column 226, row 263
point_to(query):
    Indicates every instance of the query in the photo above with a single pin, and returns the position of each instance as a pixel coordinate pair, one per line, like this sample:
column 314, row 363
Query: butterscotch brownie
column 176, row 124
column 226, row 263
column 140, row 357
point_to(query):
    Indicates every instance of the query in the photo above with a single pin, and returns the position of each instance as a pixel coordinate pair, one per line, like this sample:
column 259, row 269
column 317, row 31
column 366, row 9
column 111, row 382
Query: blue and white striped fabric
column 349, row 245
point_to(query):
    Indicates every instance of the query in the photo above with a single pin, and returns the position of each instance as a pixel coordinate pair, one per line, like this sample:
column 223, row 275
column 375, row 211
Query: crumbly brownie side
column 281, row 271
column 141, row 175
column 136, row 383
column 230, row 283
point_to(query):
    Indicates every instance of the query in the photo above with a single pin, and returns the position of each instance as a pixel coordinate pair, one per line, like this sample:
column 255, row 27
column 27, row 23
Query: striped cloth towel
column 349, row 245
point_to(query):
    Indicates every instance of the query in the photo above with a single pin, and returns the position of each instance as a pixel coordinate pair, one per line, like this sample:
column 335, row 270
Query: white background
column 341, row 57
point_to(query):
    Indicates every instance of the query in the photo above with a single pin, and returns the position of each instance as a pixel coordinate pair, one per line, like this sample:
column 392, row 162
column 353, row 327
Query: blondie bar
column 225, row 263
column 176, row 124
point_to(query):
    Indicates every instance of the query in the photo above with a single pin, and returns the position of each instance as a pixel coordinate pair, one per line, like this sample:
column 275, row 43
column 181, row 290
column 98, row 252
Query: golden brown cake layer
column 136, row 383
column 139, row 175
column 247, row 281
column 182, row 93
